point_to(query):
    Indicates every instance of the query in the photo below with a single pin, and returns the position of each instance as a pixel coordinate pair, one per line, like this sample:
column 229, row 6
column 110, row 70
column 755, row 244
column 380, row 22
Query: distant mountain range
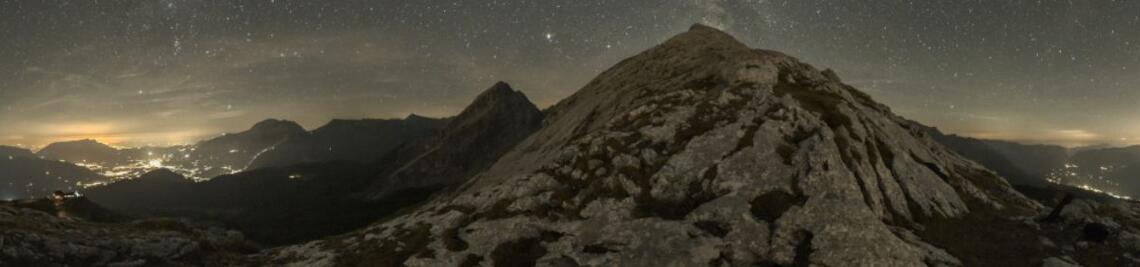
column 1114, row 170
column 347, row 140
column 25, row 175
column 340, row 193
column 269, row 143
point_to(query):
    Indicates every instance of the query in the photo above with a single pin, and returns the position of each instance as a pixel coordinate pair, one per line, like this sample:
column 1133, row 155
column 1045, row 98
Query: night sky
column 174, row 71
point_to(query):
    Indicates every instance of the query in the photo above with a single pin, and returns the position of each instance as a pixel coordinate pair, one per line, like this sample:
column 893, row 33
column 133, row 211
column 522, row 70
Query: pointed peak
column 501, row 85
column 499, row 88
column 500, row 93
column 499, row 97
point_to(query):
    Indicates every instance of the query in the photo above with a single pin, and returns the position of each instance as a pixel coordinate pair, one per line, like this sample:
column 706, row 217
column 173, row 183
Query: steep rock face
column 499, row 118
column 348, row 140
column 700, row 151
column 233, row 152
column 82, row 151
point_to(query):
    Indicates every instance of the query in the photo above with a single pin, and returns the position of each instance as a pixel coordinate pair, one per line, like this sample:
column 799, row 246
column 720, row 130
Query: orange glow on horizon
column 117, row 140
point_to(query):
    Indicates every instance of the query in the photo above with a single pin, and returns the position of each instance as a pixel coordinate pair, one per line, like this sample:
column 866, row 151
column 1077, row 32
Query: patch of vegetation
column 771, row 206
column 471, row 260
column 163, row 224
column 803, row 250
column 523, row 252
column 717, row 229
column 598, row 249
column 452, row 241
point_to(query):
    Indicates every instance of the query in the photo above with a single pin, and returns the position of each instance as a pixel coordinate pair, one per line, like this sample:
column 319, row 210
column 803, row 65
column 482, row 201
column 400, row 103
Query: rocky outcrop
column 499, row 118
column 362, row 141
column 700, row 151
column 33, row 238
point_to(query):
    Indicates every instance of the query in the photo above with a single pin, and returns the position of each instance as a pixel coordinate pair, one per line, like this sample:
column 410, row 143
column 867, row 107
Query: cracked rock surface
column 698, row 152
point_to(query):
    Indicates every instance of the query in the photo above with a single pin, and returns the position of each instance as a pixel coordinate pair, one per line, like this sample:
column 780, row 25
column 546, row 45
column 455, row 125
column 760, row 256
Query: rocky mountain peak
column 699, row 151
column 491, row 125
column 499, row 97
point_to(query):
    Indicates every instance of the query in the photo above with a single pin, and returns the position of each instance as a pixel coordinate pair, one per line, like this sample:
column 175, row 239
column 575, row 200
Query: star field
column 173, row 71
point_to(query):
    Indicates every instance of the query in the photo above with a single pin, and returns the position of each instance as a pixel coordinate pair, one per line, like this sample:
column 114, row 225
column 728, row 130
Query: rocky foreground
column 37, row 233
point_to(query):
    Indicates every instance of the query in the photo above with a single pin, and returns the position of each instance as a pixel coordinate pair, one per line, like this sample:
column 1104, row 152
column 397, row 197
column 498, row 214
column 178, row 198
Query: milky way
column 173, row 71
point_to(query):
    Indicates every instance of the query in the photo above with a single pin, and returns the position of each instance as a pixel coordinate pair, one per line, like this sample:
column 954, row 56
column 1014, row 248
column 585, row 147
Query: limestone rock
column 700, row 151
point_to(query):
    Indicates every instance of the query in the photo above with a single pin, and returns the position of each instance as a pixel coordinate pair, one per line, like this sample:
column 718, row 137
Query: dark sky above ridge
column 174, row 71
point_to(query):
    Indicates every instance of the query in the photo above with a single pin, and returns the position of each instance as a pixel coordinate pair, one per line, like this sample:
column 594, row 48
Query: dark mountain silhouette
column 499, row 118
column 272, row 206
column 1020, row 163
column 32, row 177
column 233, row 152
column 83, row 151
column 348, row 140
column 154, row 189
column 15, row 152
column 265, row 202
column 1111, row 170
